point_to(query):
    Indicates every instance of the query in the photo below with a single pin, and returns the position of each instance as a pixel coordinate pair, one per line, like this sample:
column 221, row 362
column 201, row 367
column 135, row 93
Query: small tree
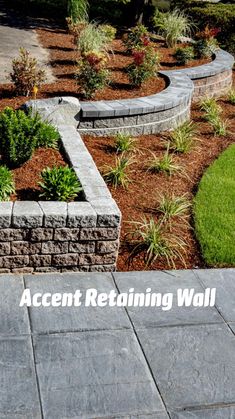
column 26, row 75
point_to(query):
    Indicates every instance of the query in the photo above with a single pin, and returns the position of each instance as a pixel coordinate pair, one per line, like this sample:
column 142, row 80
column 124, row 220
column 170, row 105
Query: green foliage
column 171, row 206
column 26, row 75
column 59, row 184
column 205, row 48
column 231, row 96
column 92, row 39
column 172, row 26
column 165, row 164
column 144, row 66
column 109, row 32
column 214, row 211
column 184, row 55
column 152, row 238
column 92, row 74
column 137, row 36
column 21, row 133
column 219, row 126
column 117, row 175
column 211, row 107
column 7, row 186
column 182, row 139
column 124, row 142
column 78, row 10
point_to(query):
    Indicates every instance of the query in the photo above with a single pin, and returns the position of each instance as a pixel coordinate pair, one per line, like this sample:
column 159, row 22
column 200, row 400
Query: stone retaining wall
column 164, row 110
column 56, row 236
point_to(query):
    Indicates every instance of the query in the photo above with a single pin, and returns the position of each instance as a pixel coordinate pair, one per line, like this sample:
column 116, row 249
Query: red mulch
column 27, row 176
column 141, row 195
column 63, row 58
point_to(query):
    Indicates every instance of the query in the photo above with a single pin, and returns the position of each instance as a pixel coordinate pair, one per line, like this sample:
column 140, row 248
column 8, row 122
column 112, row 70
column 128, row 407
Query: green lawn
column 214, row 211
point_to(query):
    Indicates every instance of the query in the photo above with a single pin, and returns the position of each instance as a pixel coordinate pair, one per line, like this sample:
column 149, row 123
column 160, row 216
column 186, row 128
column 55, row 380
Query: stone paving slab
column 94, row 375
column 224, row 281
column 13, row 319
column 18, row 389
column 193, row 365
column 165, row 282
column 69, row 319
column 213, row 413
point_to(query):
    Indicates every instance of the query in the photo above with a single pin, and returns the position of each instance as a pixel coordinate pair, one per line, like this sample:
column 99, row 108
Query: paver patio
column 138, row 363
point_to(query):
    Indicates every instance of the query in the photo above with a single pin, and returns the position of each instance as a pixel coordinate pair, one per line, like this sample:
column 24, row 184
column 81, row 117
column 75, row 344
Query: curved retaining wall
column 162, row 111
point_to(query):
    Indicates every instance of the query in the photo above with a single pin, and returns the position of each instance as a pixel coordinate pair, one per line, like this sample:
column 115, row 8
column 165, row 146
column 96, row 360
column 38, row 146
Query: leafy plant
column 165, row 164
column 151, row 238
column 26, row 75
column 117, row 175
column 182, row 139
column 137, row 36
column 46, row 135
column 59, row 184
column 219, row 126
column 205, row 48
column 231, row 96
column 7, row 186
column 171, row 206
column 75, row 28
column 109, row 32
column 184, row 55
column 92, row 74
column 210, row 106
column 124, row 142
column 78, row 10
column 144, row 66
column 92, row 39
column 172, row 26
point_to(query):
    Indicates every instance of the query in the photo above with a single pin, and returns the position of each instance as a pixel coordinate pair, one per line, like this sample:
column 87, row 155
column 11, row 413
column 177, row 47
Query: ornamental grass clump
column 117, row 175
column 144, row 66
column 26, row 74
column 7, row 185
column 211, row 108
column 78, row 10
column 231, row 96
column 172, row 26
column 92, row 74
column 165, row 164
column 92, row 39
column 59, row 184
column 152, row 239
column 124, row 143
column 171, row 206
column 182, row 139
column 220, row 126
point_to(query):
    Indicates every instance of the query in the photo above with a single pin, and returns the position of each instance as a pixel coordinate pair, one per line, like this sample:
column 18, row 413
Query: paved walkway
column 16, row 32
column 139, row 363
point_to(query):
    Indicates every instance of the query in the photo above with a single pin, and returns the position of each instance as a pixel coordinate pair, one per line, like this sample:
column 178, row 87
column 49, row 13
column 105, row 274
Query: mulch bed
column 138, row 200
column 63, row 58
column 27, row 176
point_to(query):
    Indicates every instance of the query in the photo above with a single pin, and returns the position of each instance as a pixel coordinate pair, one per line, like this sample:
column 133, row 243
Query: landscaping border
column 59, row 236
column 164, row 110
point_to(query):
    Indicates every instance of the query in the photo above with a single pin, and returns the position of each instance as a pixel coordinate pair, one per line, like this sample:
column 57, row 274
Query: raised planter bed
column 55, row 236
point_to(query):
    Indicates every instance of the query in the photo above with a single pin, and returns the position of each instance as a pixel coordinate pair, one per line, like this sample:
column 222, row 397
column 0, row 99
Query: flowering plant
column 144, row 65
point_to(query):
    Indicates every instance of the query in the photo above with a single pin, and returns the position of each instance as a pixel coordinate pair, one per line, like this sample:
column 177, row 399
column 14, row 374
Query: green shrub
column 117, row 175
column 205, row 48
column 172, row 26
column 182, row 139
column 231, row 96
column 46, row 135
column 137, row 36
column 7, row 186
column 145, row 65
column 219, row 126
column 214, row 211
column 109, row 32
column 184, row 55
column 26, row 75
column 210, row 106
column 124, row 142
column 92, row 74
column 59, row 184
column 152, row 239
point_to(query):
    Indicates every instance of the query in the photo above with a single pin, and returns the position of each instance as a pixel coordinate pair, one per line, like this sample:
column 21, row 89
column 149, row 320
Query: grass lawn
column 214, row 210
